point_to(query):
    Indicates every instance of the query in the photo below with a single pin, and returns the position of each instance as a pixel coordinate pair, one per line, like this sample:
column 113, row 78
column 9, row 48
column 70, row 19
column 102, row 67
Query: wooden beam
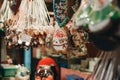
column 49, row 1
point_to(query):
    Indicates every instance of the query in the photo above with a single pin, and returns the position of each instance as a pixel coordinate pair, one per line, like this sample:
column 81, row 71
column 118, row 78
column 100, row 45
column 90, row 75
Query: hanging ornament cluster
column 30, row 25
column 70, row 42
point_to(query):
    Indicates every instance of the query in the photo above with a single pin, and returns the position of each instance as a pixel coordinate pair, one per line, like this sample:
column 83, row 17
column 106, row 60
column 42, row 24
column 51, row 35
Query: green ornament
column 81, row 18
column 100, row 18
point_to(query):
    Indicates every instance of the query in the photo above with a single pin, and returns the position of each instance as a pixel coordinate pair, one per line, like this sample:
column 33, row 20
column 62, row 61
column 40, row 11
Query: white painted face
column 60, row 40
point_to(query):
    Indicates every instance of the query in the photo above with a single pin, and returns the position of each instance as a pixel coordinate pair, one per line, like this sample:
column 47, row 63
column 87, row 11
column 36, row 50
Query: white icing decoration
column 19, row 41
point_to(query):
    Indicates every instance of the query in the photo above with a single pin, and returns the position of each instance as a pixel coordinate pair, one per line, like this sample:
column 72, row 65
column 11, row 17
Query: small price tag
column 25, row 38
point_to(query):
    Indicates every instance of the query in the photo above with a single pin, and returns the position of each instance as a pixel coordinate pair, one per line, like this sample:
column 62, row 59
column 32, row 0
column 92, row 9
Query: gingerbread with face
column 60, row 41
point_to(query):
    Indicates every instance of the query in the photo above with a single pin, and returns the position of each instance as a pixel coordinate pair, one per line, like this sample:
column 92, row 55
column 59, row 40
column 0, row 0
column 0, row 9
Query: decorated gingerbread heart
column 60, row 40
column 64, row 10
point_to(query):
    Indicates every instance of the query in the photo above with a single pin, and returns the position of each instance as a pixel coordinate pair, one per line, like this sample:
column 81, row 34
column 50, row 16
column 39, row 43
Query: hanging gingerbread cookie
column 64, row 10
column 60, row 41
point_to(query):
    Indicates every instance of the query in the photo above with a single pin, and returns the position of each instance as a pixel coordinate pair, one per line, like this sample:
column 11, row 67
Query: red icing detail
column 59, row 33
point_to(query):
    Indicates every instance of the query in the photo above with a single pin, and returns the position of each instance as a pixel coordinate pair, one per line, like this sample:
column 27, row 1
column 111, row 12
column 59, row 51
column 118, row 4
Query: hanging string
column 3, row 8
column 104, row 70
column 6, row 14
